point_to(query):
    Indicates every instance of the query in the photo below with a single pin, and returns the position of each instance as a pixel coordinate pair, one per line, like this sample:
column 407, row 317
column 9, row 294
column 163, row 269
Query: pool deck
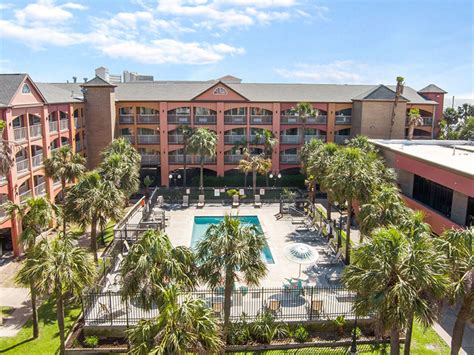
column 279, row 234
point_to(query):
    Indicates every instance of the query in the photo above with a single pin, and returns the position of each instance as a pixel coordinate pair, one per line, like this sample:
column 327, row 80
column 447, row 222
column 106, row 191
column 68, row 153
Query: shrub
column 358, row 332
column 239, row 332
column 91, row 341
column 264, row 329
column 300, row 334
column 340, row 322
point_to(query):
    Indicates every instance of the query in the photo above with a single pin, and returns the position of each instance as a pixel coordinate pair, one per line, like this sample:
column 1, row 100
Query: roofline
column 217, row 83
column 21, row 85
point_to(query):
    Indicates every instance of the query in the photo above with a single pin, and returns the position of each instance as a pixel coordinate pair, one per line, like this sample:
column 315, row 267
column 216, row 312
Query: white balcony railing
column 148, row 139
column 150, row 159
column 179, row 119
column 254, row 140
column 53, row 126
column 149, row 118
column 37, row 160
column 130, row 138
column 308, row 137
column 126, row 118
column 235, row 119
column 64, row 125
column 56, row 183
column 341, row 139
column 290, row 119
column 179, row 159
column 261, row 119
column 19, row 133
column 35, row 131
column 40, row 189
column 232, row 158
column 22, row 166
column 205, row 119
column 78, row 122
column 175, row 139
column 234, row 139
column 3, row 212
column 289, row 159
column 341, row 119
column 290, row 139
column 3, row 180
column 25, row 195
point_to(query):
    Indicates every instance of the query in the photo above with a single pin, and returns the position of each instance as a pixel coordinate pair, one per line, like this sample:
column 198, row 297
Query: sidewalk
column 19, row 299
column 445, row 327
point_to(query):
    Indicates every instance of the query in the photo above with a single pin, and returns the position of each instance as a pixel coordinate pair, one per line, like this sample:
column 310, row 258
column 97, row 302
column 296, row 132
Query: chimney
column 85, row 80
column 74, row 79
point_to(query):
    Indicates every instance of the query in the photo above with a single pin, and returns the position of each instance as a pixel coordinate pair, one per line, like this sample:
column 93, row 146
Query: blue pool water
column 202, row 223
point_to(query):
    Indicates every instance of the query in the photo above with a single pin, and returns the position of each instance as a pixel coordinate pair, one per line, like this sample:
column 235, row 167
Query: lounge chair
column 118, row 263
column 273, row 306
column 160, row 200
column 217, row 308
column 126, row 247
column 257, row 202
column 201, row 201
column 185, row 201
column 235, row 201
column 333, row 260
column 315, row 308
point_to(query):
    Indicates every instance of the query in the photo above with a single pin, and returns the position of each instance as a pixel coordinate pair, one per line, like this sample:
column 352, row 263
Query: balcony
column 22, row 166
column 40, row 189
column 253, row 139
column 288, row 119
column 341, row 119
column 289, row 159
column 3, row 212
column 78, row 122
column 427, row 121
column 261, row 119
column 341, row 139
column 126, row 119
column 308, row 137
column 179, row 159
column 130, row 138
column 57, row 184
column 148, row 118
column 37, row 160
column 232, row 158
column 205, row 119
column 64, row 125
column 234, row 139
column 235, row 119
column 19, row 134
column 179, row 119
column 290, row 139
column 35, row 131
column 207, row 160
column 175, row 139
column 148, row 139
column 3, row 180
column 150, row 159
column 321, row 119
column 25, row 195
column 78, row 146
column 53, row 126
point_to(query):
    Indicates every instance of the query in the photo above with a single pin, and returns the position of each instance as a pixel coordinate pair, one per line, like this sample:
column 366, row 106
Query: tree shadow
column 16, row 345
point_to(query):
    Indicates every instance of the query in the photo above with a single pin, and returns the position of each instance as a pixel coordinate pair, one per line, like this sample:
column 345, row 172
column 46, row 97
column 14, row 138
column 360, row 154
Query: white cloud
column 47, row 11
column 340, row 71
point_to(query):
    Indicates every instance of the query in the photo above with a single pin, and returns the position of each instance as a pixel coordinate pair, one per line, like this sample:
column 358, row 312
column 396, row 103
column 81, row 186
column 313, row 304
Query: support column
column 220, row 139
column 276, row 133
column 331, row 124
column 164, row 144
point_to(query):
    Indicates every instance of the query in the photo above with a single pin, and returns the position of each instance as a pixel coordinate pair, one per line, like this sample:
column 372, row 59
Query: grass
column 48, row 340
column 107, row 235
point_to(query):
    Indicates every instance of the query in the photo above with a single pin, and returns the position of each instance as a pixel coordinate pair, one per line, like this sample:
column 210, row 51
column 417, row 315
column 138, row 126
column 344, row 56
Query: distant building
column 436, row 177
column 129, row 77
column 103, row 73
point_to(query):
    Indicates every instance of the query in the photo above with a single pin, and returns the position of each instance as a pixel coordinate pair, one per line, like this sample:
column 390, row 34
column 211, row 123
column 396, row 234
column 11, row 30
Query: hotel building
column 44, row 116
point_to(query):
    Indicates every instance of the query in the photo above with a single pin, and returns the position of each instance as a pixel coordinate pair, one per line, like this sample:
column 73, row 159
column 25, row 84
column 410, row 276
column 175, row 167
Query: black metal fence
column 292, row 304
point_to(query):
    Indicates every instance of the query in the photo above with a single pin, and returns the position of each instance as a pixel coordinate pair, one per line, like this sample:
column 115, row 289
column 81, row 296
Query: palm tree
column 398, row 94
column 186, row 132
column 414, row 120
column 389, row 274
column 384, row 207
column 35, row 214
column 92, row 201
column 60, row 267
column 153, row 263
column 121, row 164
column 147, row 181
column 6, row 152
column 269, row 143
column 304, row 110
column 66, row 166
column 351, row 177
column 255, row 164
column 203, row 143
column 180, row 328
column 362, row 142
column 457, row 247
column 230, row 252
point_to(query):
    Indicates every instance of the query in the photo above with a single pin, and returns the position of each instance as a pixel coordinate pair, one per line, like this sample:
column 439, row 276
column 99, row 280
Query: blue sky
column 256, row 40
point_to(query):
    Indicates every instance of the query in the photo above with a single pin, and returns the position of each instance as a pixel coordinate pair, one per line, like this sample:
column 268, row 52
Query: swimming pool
column 201, row 223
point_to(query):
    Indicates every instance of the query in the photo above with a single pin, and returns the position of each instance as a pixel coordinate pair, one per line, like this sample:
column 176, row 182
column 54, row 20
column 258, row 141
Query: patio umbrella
column 301, row 253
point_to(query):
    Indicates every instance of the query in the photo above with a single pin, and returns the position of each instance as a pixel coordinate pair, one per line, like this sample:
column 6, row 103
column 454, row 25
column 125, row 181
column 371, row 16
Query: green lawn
column 48, row 341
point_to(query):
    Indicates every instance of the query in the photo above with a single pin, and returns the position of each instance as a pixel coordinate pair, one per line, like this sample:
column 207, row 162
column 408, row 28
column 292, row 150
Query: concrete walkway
column 19, row 299
column 445, row 327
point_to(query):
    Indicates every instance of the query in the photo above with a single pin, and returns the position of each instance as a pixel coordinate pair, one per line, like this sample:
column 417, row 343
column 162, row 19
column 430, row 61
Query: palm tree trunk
column 94, row 239
column 328, row 209
column 34, row 310
column 60, row 316
column 266, row 179
column 460, row 324
column 201, row 175
column 184, row 164
column 411, row 129
column 227, row 300
column 245, row 179
column 63, row 197
column 408, row 333
column 254, row 181
column 394, row 341
column 348, row 233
